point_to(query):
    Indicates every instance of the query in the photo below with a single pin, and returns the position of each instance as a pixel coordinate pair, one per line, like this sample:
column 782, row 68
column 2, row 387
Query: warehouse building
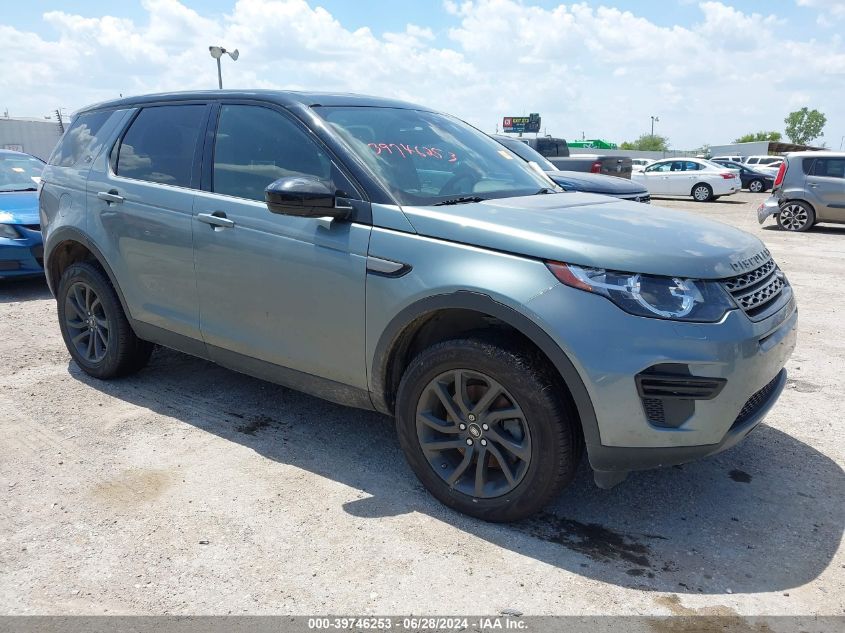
column 33, row 136
column 760, row 148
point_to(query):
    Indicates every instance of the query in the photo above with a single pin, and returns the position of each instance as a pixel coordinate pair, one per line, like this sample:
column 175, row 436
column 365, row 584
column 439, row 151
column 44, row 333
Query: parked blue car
column 21, row 249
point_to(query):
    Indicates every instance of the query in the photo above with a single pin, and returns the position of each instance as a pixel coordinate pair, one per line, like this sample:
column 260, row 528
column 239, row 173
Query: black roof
column 282, row 97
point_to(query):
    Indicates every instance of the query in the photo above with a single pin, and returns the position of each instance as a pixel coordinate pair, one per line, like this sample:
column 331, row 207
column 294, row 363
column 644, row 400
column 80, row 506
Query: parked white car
column 694, row 177
column 638, row 164
column 769, row 168
column 760, row 161
column 736, row 158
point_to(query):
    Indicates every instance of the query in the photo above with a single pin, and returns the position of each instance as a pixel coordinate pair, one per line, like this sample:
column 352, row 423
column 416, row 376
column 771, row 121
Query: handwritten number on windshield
column 406, row 151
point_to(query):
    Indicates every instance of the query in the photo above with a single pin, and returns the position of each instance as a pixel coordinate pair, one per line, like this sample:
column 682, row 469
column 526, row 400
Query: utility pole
column 653, row 119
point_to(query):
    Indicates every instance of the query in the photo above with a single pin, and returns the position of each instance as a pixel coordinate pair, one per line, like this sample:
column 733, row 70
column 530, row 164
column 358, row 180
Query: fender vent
column 668, row 393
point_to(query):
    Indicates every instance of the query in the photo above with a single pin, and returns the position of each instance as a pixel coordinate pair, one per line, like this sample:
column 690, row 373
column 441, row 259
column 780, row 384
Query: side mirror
column 305, row 197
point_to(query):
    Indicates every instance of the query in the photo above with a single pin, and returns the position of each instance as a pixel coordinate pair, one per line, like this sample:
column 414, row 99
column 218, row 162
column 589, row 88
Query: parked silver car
column 809, row 188
column 386, row 256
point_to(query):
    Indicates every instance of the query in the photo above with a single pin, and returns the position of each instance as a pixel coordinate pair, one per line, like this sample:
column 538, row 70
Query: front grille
column 755, row 291
column 743, row 281
column 755, row 402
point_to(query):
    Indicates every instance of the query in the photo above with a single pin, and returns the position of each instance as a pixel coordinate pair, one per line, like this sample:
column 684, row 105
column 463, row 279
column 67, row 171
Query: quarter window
column 161, row 144
column 80, row 136
column 257, row 145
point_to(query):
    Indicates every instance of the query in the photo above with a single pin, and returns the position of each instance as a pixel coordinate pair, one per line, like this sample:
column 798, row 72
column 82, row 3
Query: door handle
column 217, row 220
column 110, row 196
column 813, row 185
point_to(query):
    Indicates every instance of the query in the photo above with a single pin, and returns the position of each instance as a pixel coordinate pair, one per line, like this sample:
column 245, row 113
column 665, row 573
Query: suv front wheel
column 485, row 427
column 796, row 216
column 94, row 327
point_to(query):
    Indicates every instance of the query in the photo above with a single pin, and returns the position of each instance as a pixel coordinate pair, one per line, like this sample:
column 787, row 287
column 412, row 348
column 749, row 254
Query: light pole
column 653, row 119
column 217, row 53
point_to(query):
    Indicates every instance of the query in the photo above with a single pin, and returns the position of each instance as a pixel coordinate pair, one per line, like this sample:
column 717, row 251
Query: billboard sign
column 595, row 143
column 520, row 124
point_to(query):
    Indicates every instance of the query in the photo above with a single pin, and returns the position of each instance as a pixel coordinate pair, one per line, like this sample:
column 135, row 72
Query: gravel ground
column 192, row 489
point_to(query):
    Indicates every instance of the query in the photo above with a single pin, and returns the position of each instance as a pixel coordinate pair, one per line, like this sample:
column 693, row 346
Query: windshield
column 526, row 152
column 426, row 158
column 17, row 172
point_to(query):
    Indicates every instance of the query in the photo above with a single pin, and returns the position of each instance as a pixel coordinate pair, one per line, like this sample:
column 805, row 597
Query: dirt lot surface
column 192, row 489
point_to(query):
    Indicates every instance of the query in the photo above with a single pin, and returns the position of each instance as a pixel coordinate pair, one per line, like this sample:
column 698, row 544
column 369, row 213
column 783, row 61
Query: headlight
column 649, row 295
column 9, row 232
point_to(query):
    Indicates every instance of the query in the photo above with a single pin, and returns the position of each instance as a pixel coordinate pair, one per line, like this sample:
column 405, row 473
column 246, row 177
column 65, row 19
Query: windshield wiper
column 464, row 200
column 24, row 189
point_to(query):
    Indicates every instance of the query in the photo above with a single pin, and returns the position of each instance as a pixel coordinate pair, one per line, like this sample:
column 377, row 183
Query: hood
column 596, row 183
column 591, row 230
column 19, row 207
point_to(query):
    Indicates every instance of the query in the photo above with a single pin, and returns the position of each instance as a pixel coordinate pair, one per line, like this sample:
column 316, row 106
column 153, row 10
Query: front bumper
column 23, row 257
column 610, row 347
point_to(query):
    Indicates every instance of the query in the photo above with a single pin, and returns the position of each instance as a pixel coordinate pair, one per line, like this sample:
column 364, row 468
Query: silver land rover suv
column 386, row 256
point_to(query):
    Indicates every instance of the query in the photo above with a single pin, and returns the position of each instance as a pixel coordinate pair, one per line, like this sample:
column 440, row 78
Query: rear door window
column 829, row 167
column 161, row 144
column 80, row 142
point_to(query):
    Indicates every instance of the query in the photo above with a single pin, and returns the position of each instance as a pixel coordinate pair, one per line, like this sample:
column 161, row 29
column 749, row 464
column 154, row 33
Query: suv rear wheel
column 94, row 327
column 484, row 427
column 796, row 216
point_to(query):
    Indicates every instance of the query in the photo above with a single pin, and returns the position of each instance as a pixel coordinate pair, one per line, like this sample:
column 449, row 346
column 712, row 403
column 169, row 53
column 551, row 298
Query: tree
column 802, row 126
column 648, row 143
column 759, row 136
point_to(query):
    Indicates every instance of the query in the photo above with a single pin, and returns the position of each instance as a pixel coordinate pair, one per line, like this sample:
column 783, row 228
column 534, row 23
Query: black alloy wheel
column 473, row 433
column 86, row 320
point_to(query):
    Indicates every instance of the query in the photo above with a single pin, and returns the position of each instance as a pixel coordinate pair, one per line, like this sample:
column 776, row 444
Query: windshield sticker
column 405, row 151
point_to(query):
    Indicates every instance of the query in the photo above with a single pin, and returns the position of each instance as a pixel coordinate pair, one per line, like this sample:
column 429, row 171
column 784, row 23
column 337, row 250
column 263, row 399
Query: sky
column 709, row 70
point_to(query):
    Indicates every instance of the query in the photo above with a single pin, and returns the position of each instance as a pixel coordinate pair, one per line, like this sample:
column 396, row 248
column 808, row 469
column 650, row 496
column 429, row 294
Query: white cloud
column 830, row 8
column 599, row 70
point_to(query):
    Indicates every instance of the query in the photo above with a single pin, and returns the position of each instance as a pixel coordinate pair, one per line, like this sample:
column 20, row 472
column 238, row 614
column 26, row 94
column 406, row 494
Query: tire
column 544, row 429
column 796, row 216
column 756, row 186
column 94, row 326
column 702, row 192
